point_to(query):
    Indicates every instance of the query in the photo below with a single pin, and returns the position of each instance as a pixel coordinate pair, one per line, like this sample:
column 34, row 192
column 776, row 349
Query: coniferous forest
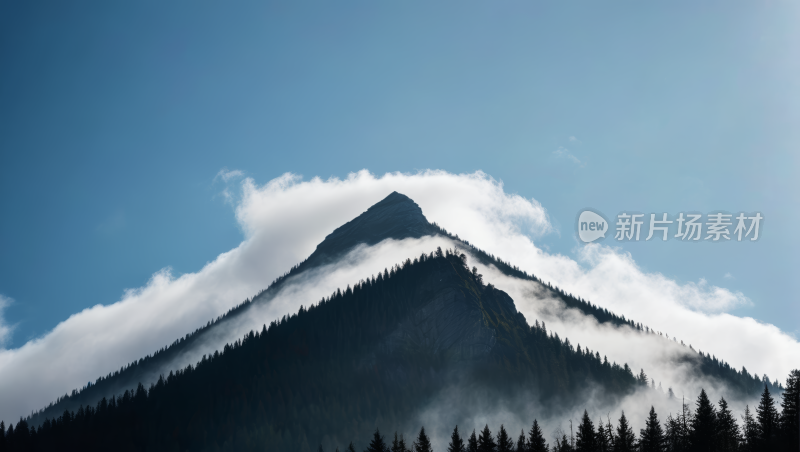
column 323, row 378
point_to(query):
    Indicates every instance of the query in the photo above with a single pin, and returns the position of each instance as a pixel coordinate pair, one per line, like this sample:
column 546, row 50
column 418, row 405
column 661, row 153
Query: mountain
column 452, row 325
column 396, row 217
column 372, row 354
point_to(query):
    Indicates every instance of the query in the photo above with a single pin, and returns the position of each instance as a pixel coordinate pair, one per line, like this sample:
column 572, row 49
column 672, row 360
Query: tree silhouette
column 767, row 416
column 486, row 441
column 472, row 442
column 522, row 442
column 751, row 432
column 504, row 441
column 728, row 437
column 625, row 440
column 651, row 438
column 704, row 424
column 790, row 414
column 456, row 443
column 423, row 443
column 377, row 444
column 536, row 442
column 586, row 441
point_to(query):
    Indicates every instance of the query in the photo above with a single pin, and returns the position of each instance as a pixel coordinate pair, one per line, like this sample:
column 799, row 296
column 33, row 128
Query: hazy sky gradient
column 116, row 118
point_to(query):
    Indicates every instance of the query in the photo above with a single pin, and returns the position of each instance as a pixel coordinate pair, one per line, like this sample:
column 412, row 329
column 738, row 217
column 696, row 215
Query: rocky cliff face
column 396, row 216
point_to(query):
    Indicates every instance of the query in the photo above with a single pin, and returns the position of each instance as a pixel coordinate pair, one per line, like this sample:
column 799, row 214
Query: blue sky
column 115, row 119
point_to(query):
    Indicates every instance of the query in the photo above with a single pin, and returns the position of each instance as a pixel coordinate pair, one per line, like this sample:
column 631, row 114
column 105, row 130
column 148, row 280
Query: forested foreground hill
column 704, row 427
column 373, row 353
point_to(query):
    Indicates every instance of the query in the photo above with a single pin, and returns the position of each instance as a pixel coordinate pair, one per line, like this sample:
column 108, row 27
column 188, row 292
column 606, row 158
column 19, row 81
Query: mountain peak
column 396, row 216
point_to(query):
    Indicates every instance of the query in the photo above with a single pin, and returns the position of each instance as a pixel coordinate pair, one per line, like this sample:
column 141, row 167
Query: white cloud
column 563, row 152
column 728, row 276
column 227, row 175
column 5, row 328
column 286, row 218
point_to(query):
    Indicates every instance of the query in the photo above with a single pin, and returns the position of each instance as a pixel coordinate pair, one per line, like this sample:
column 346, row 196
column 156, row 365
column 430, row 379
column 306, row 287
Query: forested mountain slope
column 374, row 353
column 395, row 217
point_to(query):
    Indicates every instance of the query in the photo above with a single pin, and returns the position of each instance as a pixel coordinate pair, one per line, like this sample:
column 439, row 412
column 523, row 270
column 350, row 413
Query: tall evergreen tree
column 351, row 448
column 790, row 414
column 456, row 443
column 486, row 441
column 504, row 441
column 751, row 432
column 2, row 436
column 672, row 435
column 603, row 438
column 767, row 416
column 522, row 443
column 704, row 425
column 377, row 444
column 472, row 442
column 625, row 440
column 536, row 442
column 398, row 444
column 727, row 430
column 423, row 443
column 586, row 438
column 651, row 438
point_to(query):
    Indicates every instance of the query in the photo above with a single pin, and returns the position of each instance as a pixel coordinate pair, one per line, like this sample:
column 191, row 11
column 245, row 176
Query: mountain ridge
column 396, row 217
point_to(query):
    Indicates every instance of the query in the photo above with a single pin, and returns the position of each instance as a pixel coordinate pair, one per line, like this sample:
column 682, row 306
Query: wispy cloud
column 563, row 152
column 227, row 175
column 728, row 276
column 574, row 139
column 5, row 328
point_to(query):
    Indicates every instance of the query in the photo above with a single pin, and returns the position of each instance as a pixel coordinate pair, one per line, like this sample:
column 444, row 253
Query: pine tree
column 472, row 442
column 704, row 424
column 603, row 440
column 767, row 416
column 423, row 443
column 562, row 445
column 398, row 445
column 625, row 440
column 456, row 443
column 651, row 438
column 727, row 429
column 790, row 414
column 377, row 444
column 536, row 442
column 586, row 438
column 522, row 443
column 751, row 432
column 504, row 441
column 672, row 431
column 486, row 441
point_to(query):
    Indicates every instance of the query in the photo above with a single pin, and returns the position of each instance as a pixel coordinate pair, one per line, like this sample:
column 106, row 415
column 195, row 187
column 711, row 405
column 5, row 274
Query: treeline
column 708, row 428
column 706, row 365
column 318, row 376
